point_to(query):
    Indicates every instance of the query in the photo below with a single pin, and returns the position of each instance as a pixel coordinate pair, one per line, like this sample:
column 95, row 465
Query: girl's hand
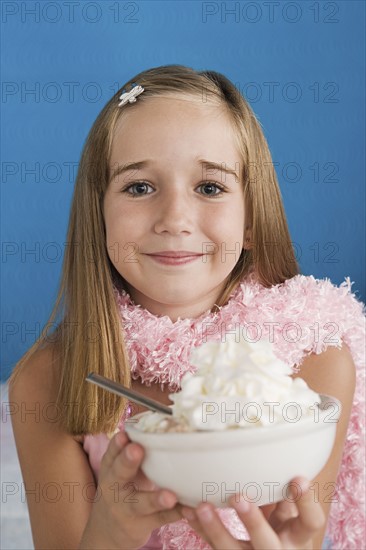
column 290, row 525
column 127, row 505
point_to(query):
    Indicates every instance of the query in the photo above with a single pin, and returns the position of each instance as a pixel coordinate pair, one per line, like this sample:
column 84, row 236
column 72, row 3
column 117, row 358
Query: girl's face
column 173, row 202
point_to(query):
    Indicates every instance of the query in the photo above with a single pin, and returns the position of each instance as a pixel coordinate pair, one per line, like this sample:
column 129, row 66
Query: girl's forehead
column 156, row 107
column 172, row 126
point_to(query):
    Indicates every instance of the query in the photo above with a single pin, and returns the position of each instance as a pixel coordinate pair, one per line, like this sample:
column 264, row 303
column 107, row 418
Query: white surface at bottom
column 15, row 527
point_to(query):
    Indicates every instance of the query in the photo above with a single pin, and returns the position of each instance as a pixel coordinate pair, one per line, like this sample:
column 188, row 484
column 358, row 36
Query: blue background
column 300, row 65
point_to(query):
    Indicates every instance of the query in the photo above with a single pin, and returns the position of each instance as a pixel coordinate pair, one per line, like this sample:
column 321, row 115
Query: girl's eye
column 211, row 189
column 137, row 189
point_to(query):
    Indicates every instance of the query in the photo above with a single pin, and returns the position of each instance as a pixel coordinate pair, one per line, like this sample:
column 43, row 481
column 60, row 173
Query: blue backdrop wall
column 299, row 64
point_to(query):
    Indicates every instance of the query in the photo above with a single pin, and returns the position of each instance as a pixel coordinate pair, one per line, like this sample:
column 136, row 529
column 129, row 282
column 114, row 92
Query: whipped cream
column 237, row 384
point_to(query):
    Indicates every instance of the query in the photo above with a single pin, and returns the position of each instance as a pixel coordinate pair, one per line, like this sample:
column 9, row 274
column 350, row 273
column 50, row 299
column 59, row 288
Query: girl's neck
column 176, row 310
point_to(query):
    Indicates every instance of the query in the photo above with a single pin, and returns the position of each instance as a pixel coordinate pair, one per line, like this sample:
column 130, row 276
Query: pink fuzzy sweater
column 301, row 316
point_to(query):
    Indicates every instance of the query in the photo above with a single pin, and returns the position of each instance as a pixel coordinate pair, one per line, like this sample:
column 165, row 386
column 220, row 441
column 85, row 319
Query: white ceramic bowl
column 257, row 462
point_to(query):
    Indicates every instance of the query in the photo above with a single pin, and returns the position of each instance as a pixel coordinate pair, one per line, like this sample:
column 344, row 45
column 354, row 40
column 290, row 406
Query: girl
column 177, row 235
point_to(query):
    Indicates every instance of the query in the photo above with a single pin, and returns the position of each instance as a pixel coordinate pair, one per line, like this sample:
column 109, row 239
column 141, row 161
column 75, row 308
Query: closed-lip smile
column 175, row 257
column 176, row 254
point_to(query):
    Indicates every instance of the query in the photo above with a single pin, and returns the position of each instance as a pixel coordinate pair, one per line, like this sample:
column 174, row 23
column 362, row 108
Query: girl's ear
column 247, row 245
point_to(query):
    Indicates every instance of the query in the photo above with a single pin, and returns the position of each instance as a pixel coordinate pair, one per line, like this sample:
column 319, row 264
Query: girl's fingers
column 116, row 444
column 311, row 517
column 260, row 532
column 146, row 503
column 297, row 522
column 127, row 463
column 283, row 511
column 157, row 509
column 214, row 531
column 143, row 483
column 121, row 463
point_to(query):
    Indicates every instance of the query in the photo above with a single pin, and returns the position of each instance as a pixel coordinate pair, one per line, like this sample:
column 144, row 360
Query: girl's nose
column 174, row 215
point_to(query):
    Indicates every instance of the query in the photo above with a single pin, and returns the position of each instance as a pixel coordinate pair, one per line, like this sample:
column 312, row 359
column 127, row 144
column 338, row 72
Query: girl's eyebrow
column 126, row 167
column 207, row 164
column 219, row 166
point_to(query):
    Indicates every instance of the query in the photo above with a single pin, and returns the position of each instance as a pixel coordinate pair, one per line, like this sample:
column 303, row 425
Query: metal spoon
column 120, row 389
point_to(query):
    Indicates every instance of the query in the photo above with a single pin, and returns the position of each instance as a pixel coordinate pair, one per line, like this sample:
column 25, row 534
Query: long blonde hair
column 88, row 335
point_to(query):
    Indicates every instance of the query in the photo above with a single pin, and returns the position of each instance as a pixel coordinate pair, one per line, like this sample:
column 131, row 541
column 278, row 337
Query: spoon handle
column 120, row 389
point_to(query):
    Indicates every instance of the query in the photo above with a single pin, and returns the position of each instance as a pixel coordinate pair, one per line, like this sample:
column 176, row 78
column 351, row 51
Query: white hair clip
column 131, row 95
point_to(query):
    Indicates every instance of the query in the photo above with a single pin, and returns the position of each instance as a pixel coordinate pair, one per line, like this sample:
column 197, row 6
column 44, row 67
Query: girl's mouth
column 175, row 258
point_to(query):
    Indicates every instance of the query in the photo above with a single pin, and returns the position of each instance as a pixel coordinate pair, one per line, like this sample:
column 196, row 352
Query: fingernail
column 205, row 514
column 166, row 500
column 130, row 453
column 242, row 506
column 304, row 484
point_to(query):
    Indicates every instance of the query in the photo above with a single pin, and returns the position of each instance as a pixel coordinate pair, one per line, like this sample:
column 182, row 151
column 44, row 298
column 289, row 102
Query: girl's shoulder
column 34, row 386
column 38, row 369
column 39, row 372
